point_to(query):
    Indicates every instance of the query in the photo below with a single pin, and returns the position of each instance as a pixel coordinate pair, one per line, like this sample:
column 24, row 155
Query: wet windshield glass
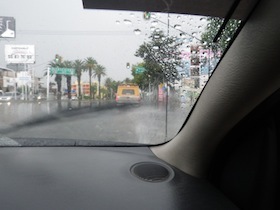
column 128, row 76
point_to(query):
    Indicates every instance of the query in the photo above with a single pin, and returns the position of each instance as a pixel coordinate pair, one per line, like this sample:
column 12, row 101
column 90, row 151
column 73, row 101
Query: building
column 85, row 88
column 7, row 79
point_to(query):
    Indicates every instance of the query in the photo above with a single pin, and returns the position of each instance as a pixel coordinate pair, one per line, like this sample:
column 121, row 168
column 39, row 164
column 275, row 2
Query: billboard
column 7, row 27
column 20, row 53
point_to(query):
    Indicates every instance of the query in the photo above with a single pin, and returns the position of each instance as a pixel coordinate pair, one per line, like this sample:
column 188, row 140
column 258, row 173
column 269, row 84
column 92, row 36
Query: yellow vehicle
column 128, row 94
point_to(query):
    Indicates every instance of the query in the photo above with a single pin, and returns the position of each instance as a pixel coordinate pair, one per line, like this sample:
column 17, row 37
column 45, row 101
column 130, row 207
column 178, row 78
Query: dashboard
column 99, row 178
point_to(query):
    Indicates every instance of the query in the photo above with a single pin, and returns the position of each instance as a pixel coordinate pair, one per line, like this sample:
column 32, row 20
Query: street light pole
column 48, row 82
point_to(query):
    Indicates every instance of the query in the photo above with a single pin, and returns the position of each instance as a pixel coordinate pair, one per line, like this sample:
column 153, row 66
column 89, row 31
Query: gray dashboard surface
column 95, row 178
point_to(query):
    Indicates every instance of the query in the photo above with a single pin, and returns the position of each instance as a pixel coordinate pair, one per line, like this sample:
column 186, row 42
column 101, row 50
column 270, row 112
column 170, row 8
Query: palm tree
column 109, row 85
column 78, row 65
column 98, row 72
column 68, row 64
column 58, row 77
column 90, row 64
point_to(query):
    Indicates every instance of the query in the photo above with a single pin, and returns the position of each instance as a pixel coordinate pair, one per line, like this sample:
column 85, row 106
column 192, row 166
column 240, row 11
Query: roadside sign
column 63, row 71
column 7, row 27
column 140, row 70
column 20, row 54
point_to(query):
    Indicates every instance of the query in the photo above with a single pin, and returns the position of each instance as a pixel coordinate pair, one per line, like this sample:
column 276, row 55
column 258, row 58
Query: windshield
column 71, row 65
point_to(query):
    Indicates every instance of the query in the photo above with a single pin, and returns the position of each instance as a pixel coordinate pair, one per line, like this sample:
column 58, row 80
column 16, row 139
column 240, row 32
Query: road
column 103, row 122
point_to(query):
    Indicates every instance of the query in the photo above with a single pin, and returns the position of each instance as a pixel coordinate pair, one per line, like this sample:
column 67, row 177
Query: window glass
column 128, row 92
column 66, row 63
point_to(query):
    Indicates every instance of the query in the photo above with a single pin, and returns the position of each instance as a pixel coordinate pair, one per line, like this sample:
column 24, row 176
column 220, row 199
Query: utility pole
column 48, row 82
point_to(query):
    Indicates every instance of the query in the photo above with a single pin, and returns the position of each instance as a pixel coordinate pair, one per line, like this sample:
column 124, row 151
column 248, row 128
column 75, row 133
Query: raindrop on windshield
column 137, row 31
column 156, row 36
column 182, row 35
column 118, row 22
column 152, row 28
column 127, row 22
column 177, row 26
column 154, row 23
column 155, row 47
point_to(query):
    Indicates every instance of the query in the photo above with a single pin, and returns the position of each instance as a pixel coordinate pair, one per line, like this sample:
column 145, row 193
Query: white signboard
column 20, row 53
column 23, row 78
column 7, row 27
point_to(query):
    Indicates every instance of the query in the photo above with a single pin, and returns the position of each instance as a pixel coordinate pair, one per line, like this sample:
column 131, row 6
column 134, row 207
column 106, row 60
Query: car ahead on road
column 128, row 94
column 10, row 96
column 38, row 97
column 225, row 153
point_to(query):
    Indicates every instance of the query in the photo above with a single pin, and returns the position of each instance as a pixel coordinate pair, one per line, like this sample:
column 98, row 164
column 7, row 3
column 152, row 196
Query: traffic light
column 128, row 65
column 56, row 58
column 147, row 15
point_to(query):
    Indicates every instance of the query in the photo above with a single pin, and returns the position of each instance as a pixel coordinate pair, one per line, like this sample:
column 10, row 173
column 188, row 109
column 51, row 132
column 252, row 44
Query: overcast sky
column 63, row 27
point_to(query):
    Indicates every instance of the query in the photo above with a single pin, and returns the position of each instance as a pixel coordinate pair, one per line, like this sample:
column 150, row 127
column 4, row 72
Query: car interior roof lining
column 217, row 8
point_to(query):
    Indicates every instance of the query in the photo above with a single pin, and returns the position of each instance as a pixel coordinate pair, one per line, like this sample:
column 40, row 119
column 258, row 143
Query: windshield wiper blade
column 8, row 142
column 50, row 142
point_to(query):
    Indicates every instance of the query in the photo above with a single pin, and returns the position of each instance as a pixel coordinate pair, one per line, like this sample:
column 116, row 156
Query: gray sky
column 63, row 27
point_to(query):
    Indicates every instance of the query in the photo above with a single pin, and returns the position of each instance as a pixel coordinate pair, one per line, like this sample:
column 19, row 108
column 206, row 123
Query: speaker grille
column 152, row 172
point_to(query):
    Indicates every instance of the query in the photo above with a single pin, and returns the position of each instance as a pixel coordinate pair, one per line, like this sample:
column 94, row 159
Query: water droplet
column 178, row 17
column 194, row 33
column 127, row 22
column 182, row 35
column 202, row 19
column 156, row 36
column 137, row 31
column 154, row 23
column 118, row 22
column 131, row 14
column 177, row 26
column 228, row 39
column 152, row 28
column 155, row 47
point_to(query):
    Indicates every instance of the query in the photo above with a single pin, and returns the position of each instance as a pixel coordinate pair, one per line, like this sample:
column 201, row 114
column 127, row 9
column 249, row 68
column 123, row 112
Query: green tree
column 90, row 64
column 78, row 65
column 68, row 64
column 99, row 71
column 128, row 80
column 57, row 63
column 161, row 57
column 212, row 29
column 141, row 79
column 112, row 85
